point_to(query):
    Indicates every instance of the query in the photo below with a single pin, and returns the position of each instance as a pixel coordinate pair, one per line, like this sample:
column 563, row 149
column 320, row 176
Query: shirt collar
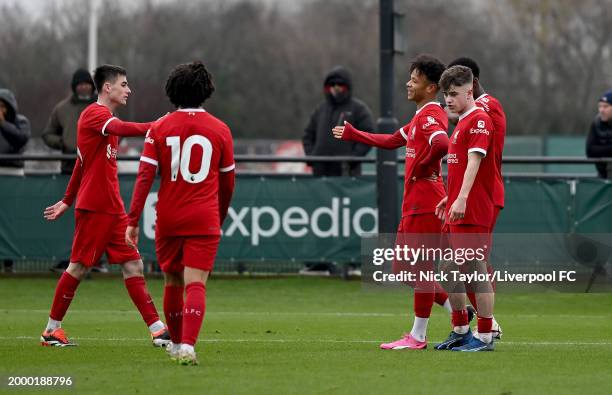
column 191, row 110
column 426, row 104
column 465, row 114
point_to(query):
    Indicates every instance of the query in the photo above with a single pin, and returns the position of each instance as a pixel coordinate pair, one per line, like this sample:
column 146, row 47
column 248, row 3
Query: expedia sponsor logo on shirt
column 452, row 159
column 111, row 153
column 430, row 121
column 480, row 128
column 410, row 152
column 484, row 102
column 479, row 131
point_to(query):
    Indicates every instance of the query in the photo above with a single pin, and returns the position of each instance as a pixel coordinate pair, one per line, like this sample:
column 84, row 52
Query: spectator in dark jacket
column 599, row 141
column 61, row 130
column 14, row 133
column 339, row 106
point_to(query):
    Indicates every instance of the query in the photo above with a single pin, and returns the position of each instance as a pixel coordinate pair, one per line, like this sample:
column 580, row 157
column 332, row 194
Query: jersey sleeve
column 380, row 140
column 144, row 179
column 98, row 119
column 149, row 150
column 432, row 125
column 227, row 153
column 480, row 134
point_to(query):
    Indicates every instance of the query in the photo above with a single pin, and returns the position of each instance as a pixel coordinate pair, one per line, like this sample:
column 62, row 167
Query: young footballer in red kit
column 426, row 143
column 193, row 151
column 470, row 209
column 100, row 218
column 494, row 109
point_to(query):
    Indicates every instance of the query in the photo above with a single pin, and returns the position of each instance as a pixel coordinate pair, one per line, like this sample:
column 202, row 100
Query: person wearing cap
column 599, row 140
column 61, row 130
column 339, row 106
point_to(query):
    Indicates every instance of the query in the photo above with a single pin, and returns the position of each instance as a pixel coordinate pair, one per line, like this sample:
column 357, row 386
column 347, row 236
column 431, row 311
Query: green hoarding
column 289, row 218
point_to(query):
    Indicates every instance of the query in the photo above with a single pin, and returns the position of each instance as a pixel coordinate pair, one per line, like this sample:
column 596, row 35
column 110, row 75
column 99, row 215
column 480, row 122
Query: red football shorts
column 420, row 223
column 418, row 231
column 176, row 252
column 96, row 233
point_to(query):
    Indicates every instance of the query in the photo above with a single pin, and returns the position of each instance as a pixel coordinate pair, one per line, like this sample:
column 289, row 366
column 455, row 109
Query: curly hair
column 467, row 62
column 430, row 66
column 189, row 85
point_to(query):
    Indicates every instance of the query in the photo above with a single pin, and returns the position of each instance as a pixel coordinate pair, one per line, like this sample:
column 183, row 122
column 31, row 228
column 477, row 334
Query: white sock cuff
column 53, row 324
column 156, row 326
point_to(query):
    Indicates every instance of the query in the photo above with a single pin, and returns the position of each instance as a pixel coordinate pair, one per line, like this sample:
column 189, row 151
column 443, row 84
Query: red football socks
column 460, row 318
column 485, row 324
column 173, row 310
column 422, row 304
column 137, row 288
column 441, row 296
column 193, row 312
column 64, row 292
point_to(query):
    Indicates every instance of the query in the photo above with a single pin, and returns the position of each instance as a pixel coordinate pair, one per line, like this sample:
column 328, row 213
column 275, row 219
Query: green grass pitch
column 297, row 335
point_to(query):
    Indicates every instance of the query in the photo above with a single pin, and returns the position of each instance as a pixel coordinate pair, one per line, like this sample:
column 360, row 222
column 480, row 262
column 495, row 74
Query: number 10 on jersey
column 181, row 158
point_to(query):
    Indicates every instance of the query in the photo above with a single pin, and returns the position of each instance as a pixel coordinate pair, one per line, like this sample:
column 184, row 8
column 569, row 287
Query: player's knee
column 77, row 270
column 132, row 269
column 195, row 275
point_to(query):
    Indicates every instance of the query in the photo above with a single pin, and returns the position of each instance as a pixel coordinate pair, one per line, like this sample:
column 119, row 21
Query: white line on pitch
column 123, row 339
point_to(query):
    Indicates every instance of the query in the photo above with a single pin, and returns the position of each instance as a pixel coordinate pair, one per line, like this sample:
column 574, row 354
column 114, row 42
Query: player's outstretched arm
column 144, row 181
column 457, row 210
column 380, row 140
column 117, row 127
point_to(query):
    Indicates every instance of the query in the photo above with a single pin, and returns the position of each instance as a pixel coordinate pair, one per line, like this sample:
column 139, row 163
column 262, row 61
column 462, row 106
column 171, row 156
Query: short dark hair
column 107, row 73
column 456, row 76
column 429, row 66
column 467, row 62
column 189, row 85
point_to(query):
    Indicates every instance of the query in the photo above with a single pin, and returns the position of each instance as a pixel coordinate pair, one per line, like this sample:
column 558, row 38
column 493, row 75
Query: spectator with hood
column 14, row 135
column 599, row 140
column 339, row 106
column 61, row 130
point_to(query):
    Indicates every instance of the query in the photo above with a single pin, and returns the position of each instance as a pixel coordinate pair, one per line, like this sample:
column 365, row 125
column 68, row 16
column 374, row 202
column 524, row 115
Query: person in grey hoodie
column 339, row 106
column 61, row 130
column 14, row 135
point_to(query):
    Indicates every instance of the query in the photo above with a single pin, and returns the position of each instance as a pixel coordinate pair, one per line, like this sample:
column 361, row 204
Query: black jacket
column 318, row 139
column 599, row 144
column 61, row 130
column 14, row 130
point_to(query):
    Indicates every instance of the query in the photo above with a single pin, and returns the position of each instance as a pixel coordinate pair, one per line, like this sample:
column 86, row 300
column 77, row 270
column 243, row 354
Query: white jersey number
column 182, row 157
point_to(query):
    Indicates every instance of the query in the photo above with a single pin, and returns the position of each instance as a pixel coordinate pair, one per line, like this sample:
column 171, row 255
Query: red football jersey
column 97, row 151
column 422, row 196
column 494, row 109
column 190, row 147
column 473, row 133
